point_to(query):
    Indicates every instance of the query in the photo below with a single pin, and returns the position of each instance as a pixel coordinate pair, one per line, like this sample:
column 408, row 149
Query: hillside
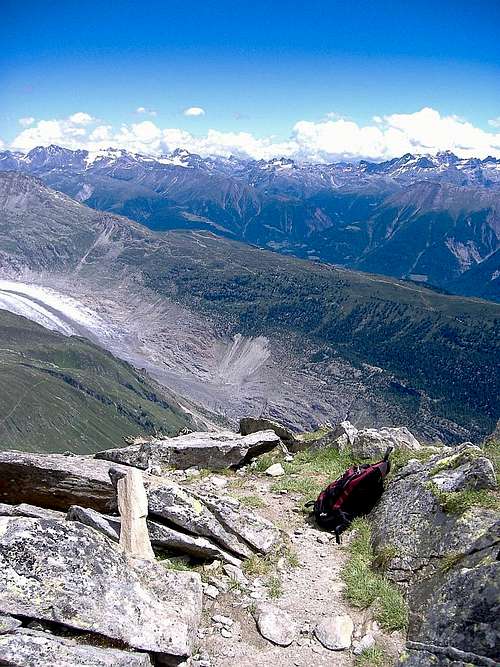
column 241, row 330
column 61, row 393
column 435, row 219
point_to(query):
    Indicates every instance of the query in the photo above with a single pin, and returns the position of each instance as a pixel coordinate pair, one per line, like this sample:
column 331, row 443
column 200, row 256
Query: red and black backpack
column 349, row 496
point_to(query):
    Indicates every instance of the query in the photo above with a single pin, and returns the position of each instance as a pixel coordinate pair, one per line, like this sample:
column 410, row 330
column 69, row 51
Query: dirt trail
column 310, row 591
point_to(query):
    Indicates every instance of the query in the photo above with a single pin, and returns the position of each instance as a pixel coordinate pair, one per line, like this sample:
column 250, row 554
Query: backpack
column 349, row 496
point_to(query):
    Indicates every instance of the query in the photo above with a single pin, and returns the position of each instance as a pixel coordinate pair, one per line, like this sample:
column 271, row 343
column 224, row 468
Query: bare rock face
column 30, row 648
column 447, row 561
column 217, row 450
column 371, row 443
column 275, row 624
column 55, row 481
column 133, row 508
column 64, row 572
column 8, row 624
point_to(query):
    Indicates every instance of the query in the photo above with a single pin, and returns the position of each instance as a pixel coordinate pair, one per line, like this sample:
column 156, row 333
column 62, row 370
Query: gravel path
column 311, row 591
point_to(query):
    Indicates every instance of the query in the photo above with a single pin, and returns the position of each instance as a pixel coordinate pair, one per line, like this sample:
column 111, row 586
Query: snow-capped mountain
column 428, row 218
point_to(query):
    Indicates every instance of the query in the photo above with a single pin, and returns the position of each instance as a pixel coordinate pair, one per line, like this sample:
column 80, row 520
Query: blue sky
column 257, row 68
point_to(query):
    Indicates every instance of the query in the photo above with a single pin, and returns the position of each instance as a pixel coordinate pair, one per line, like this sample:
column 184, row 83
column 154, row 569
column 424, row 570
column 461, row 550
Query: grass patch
column 399, row 458
column 311, row 436
column 263, row 462
column 372, row 657
column 251, row 501
column 364, row 587
column 383, row 557
column 492, row 451
column 311, row 470
column 459, row 502
column 257, row 566
column 177, row 564
column 274, row 587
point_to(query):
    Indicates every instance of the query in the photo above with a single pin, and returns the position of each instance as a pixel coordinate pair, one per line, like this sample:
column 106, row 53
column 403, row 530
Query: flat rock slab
column 24, row 509
column 250, row 425
column 274, row 624
column 30, row 648
column 65, row 572
column 55, row 481
column 217, row 450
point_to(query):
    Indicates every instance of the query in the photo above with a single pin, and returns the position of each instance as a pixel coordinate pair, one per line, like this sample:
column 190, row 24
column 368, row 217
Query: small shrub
column 257, row 565
column 364, row 587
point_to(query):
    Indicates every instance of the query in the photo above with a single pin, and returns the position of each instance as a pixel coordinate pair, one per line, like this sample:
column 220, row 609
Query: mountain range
column 240, row 330
column 429, row 219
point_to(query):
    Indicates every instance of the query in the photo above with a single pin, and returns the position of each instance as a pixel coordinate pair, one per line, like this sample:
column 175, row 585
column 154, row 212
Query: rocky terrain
column 239, row 574
column 428, row 218
column 238, row 330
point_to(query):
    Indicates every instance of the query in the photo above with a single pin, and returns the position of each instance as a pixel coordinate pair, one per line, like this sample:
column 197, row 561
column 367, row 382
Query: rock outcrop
column 67, row 573
column 55, row 481
column 371, row 443
column 217, row 450
column 249, row 425
column 446, row 558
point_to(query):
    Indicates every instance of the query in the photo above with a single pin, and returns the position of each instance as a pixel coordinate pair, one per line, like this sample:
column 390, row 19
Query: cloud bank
column 326, row 140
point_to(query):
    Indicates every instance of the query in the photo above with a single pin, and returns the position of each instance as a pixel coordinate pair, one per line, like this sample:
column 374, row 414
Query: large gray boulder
column 371, row 443
column 217, row 450
column 274, row 624
column 447, row 562
column 67, row 573
column 55, row 481
column 249, row 425
column 31, row 648
column 161, row 536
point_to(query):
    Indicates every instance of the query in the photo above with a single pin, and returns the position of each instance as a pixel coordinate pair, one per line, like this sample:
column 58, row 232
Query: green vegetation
column 311, row 436
column 400, row 458
column 458, row 502
column 364, row 587
column 62, row 393
column 274, row 587
column 252, row 501
column 372, row 657
column 311, row 470
column 448, row 561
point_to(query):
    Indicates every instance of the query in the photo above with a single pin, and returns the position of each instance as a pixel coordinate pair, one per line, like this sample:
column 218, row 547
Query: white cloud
column 494, row 122
column 81, row 118
column 194, row 111
column 26, row 121
column 149, row 112
column 424, row 131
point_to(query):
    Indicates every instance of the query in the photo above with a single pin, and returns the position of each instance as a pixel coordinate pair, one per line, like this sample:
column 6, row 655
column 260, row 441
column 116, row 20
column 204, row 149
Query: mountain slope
column 228, row 324
column 428, row 218
column 62, row 393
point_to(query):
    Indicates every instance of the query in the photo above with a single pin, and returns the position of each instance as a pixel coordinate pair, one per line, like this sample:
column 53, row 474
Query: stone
column 335, row 632
column 133, row 508
column 276, row 470
column 274, row 624
column 218, row 482
column 8, row 624
column 447, row 562
column 67, row 573
column 213, row 450
column 55, row 481
column 471, row 475
column 344, row 435
column 223, row 620
column 161, row 536
column 236, row 574
column 226, row 633
column 371, row 443
column 249, row 526
column 211, row 591
column 29, row 648
column 249, row 425
column 366, row 642
column 24, row 509
column 323, row 538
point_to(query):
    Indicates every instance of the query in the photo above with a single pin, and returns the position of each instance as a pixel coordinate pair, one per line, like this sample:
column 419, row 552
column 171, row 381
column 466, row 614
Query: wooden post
column 133, row 508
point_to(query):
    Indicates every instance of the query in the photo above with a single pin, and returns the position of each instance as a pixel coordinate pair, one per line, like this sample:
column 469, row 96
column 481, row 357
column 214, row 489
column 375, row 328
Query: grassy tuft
column 372, row 657
column 274, row 587
column 364, row 587
column 449, row 560
column 251, row 501
column 383, row 557
column 459, row 502
column 257, row 566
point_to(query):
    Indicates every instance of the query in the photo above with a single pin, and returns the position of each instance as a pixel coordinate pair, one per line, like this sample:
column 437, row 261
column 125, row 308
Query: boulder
column 371, row 443
column 249, row 425
column 55, row 481
column 67, row 573
column 30, row 648
column 344, row 434
column 217, row 450
column 162, row 537
column 24, row 509
column 335, row 632
column 447, row 562
column 274, row 624
column 276, row 470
